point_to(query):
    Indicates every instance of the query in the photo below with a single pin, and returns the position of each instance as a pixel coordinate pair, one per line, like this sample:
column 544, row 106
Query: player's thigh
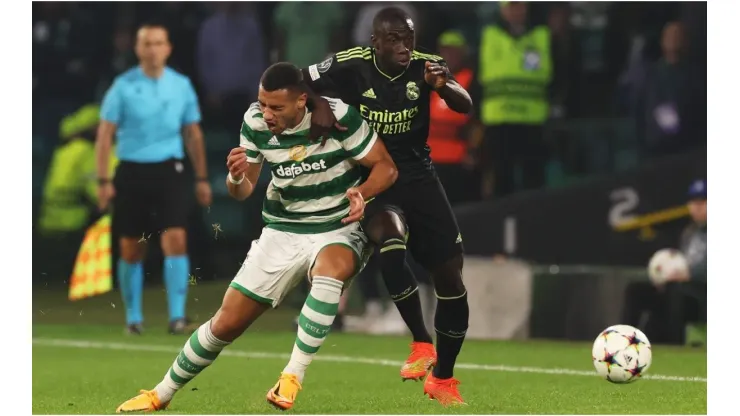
column 340, row 254
column 275, row 264
column 434, row 236
column 131, row 205
column 172, row 196
column 384, row 219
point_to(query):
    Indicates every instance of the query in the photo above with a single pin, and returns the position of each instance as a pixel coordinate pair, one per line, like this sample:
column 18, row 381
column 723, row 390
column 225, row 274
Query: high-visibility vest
column 445, row 124
column 514, row 74
column 71, row 187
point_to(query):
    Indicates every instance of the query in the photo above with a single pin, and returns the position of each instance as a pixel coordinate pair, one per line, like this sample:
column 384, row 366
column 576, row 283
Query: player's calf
column 236, row 314
column 451, row 318
column 334, row 265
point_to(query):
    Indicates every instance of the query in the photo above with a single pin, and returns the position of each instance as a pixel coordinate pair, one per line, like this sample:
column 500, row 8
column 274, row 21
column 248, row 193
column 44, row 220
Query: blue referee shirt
column 149, row 114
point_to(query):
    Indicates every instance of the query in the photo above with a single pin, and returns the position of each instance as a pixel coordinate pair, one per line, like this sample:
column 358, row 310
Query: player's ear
column 302, row 99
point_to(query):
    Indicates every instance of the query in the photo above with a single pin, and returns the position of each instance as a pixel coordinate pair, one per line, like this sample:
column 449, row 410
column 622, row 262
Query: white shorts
column 278, row 260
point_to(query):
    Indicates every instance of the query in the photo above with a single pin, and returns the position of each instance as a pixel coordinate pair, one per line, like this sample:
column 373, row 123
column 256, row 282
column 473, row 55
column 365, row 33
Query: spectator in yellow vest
column 514, row 75
column 70, row 192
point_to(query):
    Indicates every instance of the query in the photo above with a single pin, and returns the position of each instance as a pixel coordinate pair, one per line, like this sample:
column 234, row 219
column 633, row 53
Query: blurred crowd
column 643, row 61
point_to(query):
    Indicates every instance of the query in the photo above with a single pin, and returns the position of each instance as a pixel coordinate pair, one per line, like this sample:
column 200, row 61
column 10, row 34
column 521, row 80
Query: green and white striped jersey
column 309, row 180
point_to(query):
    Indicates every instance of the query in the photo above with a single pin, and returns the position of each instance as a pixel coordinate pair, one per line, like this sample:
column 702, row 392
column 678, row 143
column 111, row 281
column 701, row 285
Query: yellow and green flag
column 92, row 273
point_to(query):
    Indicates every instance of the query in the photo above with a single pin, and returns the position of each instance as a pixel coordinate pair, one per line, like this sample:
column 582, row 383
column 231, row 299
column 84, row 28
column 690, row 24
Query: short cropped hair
column 389, row 15
column 282, row 75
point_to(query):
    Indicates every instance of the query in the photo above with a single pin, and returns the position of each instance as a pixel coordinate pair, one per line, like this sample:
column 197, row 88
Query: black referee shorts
column 150, row 197
column 434, row 237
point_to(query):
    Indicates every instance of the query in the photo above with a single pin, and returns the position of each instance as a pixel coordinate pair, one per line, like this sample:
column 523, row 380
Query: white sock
column 314, row 323
column 198, row 353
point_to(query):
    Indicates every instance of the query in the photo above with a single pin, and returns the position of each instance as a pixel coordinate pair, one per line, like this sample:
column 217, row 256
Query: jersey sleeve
column 111, row 109
column 337, row 71
column 247, row 134
column 191, row 114
column 359, row 137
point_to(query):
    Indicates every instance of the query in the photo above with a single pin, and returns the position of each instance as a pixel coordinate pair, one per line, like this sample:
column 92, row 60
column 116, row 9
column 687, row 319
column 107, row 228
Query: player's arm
column 383, row 171
column 439, row 77
column 329, row 75
column 243, row 175
column 244, row 164
column 363, row 145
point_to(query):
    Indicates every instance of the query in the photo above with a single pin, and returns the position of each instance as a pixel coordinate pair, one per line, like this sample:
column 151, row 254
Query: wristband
column 235, row 182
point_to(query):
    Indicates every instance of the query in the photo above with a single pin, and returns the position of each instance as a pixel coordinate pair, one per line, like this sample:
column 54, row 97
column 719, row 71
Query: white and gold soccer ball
column 622, row 354
column 664, row 263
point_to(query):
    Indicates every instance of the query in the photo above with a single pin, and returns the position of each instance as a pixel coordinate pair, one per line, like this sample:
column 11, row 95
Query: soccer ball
column 665, row 262
column 622, row 354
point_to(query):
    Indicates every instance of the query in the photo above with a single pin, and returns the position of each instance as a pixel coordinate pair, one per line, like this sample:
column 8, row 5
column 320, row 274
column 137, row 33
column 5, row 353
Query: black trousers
column 663, row 313
column 509, row 148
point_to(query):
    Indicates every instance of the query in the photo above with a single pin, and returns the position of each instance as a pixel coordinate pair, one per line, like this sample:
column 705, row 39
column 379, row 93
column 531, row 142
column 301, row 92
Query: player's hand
column 436, row 75
column 356, row 206
column 322, row 121
column 203, row 193
column 237, row 163
column 106, row 192
column 677, row 276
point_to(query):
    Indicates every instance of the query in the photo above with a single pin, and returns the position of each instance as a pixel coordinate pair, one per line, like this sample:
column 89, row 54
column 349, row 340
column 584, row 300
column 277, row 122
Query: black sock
column 402, row 286
column 450, row 323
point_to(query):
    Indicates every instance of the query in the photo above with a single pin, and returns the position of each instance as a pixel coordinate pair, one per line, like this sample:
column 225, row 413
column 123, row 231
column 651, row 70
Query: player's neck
column 152, row 72
column 298, row 120
column 391, row 71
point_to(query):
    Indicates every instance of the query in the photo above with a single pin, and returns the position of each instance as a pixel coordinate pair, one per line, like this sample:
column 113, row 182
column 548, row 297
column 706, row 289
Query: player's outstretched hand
column 237, row 163
column 356, row 206
column 435, row 75
column 322, row 121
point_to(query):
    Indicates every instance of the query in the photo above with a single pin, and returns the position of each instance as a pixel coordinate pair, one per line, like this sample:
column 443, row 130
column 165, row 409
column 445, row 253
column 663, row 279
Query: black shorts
column 433, row 234
column 150, row 197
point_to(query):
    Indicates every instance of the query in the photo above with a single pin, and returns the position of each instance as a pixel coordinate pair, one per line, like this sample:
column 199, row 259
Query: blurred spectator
column 306, row 32
column 448, row 130
column 666, row 111
column 363, row 26
column 63, row 52
column 121, row 58
column 683, row 300
column 231, row 58
column 565, row 60
column 69, row 202
column 514, row 74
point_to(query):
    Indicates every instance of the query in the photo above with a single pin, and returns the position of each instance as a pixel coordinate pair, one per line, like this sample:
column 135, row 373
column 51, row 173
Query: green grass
column 104, row 368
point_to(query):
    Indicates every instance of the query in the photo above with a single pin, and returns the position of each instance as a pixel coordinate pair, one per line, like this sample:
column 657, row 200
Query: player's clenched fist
column 435, row 75
column 356, row 206
column 237, row 163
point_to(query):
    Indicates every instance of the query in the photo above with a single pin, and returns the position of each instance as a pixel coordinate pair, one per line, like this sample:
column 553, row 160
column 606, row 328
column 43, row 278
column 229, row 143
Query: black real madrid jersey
column 397, row 108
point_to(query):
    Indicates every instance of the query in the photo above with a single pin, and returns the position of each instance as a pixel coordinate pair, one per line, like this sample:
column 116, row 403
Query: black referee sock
column 402, row 286
column 451, row 324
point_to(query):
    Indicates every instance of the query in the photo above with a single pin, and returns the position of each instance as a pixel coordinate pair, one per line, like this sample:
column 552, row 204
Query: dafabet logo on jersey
column 298, row 154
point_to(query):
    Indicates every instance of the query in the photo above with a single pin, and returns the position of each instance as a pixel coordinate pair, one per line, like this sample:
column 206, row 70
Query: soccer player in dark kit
column 390, row 84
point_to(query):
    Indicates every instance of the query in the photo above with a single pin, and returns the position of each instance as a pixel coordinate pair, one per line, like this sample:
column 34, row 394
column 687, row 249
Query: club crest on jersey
column 412, row 91
column 297, row 153
column 325, row 65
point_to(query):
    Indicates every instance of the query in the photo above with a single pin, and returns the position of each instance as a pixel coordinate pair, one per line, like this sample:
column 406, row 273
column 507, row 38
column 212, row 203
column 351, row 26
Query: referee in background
column 151, row 109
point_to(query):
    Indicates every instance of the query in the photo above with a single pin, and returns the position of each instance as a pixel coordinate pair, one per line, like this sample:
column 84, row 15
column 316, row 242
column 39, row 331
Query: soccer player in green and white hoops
column 312, row 211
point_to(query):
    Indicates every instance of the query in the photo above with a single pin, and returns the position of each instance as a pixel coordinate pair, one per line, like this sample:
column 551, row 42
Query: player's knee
column 132, row 249
column 384, row 226
column 174, row 242
column 236, row 314
column 335, row 261
column 447, row 278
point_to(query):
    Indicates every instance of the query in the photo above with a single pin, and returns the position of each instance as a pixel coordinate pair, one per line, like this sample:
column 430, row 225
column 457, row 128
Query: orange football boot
column 443, row 390
column 422, row 358
column 283, row 395
column 146, row 401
